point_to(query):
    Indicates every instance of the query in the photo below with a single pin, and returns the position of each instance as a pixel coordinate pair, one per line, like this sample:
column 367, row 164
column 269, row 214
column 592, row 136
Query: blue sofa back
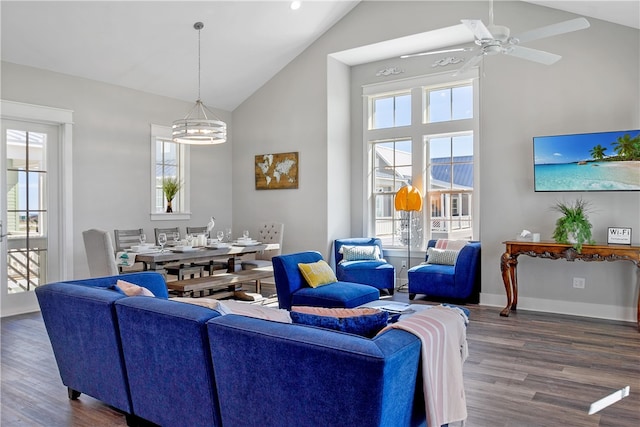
column 293, row 375
column 287, row 274
column 81, row 322
column 166, row 351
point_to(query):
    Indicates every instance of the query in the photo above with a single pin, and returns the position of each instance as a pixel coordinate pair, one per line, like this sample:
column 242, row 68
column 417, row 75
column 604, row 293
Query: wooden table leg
column 231, row 265
column 509, row 277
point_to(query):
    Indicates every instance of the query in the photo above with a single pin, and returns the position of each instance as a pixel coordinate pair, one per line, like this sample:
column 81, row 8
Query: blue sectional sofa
column 81, row 321
column 178, row 364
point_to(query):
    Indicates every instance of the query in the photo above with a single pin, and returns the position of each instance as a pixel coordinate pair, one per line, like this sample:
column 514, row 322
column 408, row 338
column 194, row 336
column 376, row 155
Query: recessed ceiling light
column 295, row 5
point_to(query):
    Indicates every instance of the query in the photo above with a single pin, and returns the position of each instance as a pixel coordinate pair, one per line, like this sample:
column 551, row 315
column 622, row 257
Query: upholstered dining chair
column 268, row 233
column 100, row 253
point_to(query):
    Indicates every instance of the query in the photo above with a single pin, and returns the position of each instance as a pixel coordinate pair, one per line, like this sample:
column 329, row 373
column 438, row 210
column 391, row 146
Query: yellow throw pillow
column 317, row 273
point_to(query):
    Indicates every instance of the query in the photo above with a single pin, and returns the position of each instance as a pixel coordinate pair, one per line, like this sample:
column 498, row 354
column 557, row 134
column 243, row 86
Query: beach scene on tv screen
column 605, row 161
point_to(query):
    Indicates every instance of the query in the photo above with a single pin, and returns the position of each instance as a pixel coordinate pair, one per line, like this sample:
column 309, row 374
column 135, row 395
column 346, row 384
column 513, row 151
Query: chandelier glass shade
column 200, row 126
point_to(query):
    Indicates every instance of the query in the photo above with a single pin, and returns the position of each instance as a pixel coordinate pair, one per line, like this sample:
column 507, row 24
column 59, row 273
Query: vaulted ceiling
column 152, row 46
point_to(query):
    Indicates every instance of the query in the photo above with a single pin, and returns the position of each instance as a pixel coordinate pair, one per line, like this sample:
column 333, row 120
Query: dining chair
column 197, row 230
column 168, row 231
column 100, row 254
column 268, row 232
column 179, row 270
column 124, row 239
column 211, row 265
column 127, row 238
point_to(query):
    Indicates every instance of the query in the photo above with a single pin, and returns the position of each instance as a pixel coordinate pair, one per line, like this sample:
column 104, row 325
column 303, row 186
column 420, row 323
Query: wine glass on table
column 189, row 237
column 245, row 234
column 220, row 236
column 176, row 237
column 162, row 240
column 143, row 238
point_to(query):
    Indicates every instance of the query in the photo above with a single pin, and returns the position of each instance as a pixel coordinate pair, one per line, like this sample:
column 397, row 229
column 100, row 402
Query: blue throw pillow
column 367, row 324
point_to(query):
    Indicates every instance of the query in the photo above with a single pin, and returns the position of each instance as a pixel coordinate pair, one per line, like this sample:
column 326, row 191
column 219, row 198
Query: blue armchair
column 293, row 289
column 459, row 282
column 361, row 266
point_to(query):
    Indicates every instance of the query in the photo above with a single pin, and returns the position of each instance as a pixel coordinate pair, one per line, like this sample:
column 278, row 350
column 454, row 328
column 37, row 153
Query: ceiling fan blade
column 436, row 52
column 535, row 55
column 477, row 27
column 553, row 30
column 470, row 63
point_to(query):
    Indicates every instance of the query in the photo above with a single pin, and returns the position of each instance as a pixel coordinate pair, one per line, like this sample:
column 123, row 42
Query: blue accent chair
column 80, row 319
column 460, row 282
column 292, row 288
column 378, row 273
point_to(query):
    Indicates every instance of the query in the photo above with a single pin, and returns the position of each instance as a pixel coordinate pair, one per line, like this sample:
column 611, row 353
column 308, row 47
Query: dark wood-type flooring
column 531, row 369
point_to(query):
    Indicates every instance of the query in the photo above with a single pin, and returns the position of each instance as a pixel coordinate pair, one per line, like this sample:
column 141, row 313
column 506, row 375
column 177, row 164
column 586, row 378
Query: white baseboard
column 598, row 311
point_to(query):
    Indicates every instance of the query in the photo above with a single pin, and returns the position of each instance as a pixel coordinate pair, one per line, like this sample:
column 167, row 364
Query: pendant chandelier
column 200, row 126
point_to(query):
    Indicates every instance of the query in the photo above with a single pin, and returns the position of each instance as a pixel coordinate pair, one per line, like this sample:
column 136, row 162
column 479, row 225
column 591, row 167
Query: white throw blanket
column 442, row 331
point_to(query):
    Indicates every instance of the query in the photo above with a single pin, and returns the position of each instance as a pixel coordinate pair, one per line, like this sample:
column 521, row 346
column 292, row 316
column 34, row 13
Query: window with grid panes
column 434, row 152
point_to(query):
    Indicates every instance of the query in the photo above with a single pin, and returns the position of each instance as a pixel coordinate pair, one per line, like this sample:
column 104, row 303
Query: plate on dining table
column 246, row 243
column 218, row 245
column 144, row 249
column 185, row 249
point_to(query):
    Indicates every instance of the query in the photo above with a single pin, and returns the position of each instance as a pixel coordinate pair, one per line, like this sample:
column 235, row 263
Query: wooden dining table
column 157, row 260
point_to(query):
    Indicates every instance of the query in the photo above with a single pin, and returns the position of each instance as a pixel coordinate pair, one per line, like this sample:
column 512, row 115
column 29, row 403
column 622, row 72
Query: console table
column 553, row 250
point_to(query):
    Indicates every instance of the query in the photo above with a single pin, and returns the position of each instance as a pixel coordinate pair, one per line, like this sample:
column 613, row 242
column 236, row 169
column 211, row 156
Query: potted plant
column 574, row 226
column 170, row 187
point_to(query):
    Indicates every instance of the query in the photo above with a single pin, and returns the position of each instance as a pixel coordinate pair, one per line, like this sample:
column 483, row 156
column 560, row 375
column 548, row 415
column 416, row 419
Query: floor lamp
column 408, row 199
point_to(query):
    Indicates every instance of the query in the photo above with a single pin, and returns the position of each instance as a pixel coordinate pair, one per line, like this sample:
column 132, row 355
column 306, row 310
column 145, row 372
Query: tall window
column 391, row 170
column 170, row 160
column 423, row 133
column 26, row 204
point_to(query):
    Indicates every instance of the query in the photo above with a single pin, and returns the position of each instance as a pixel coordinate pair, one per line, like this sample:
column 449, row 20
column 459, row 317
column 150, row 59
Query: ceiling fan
column 494, row 39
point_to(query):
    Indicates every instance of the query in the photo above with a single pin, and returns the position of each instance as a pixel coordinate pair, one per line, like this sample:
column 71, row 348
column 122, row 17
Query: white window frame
column 183, row 211
column 418, row 132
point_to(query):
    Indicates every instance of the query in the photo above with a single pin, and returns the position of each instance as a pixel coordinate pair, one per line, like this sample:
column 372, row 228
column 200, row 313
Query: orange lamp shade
column 408, row 198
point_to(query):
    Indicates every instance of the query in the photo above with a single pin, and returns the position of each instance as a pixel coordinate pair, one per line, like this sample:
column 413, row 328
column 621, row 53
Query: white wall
column 593, row 88
column 111, row 153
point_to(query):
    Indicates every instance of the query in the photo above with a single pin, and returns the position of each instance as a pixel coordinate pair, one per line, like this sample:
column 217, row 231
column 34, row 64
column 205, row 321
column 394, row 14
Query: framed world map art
column 276, row 171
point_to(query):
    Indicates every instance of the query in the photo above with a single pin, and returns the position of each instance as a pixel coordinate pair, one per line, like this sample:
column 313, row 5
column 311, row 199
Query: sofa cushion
column 131, row 289
column 442, row 256
column 317, row 273
column 360, row 321
column 359, row 252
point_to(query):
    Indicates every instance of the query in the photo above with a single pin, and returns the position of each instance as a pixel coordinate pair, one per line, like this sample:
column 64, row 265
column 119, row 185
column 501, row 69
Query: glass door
column 28, row 190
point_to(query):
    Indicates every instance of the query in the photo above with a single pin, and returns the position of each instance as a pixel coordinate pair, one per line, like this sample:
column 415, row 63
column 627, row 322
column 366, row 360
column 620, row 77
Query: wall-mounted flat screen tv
column 603, row 161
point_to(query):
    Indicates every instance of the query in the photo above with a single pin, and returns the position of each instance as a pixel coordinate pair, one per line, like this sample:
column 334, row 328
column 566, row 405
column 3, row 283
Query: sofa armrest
column 467, row 262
